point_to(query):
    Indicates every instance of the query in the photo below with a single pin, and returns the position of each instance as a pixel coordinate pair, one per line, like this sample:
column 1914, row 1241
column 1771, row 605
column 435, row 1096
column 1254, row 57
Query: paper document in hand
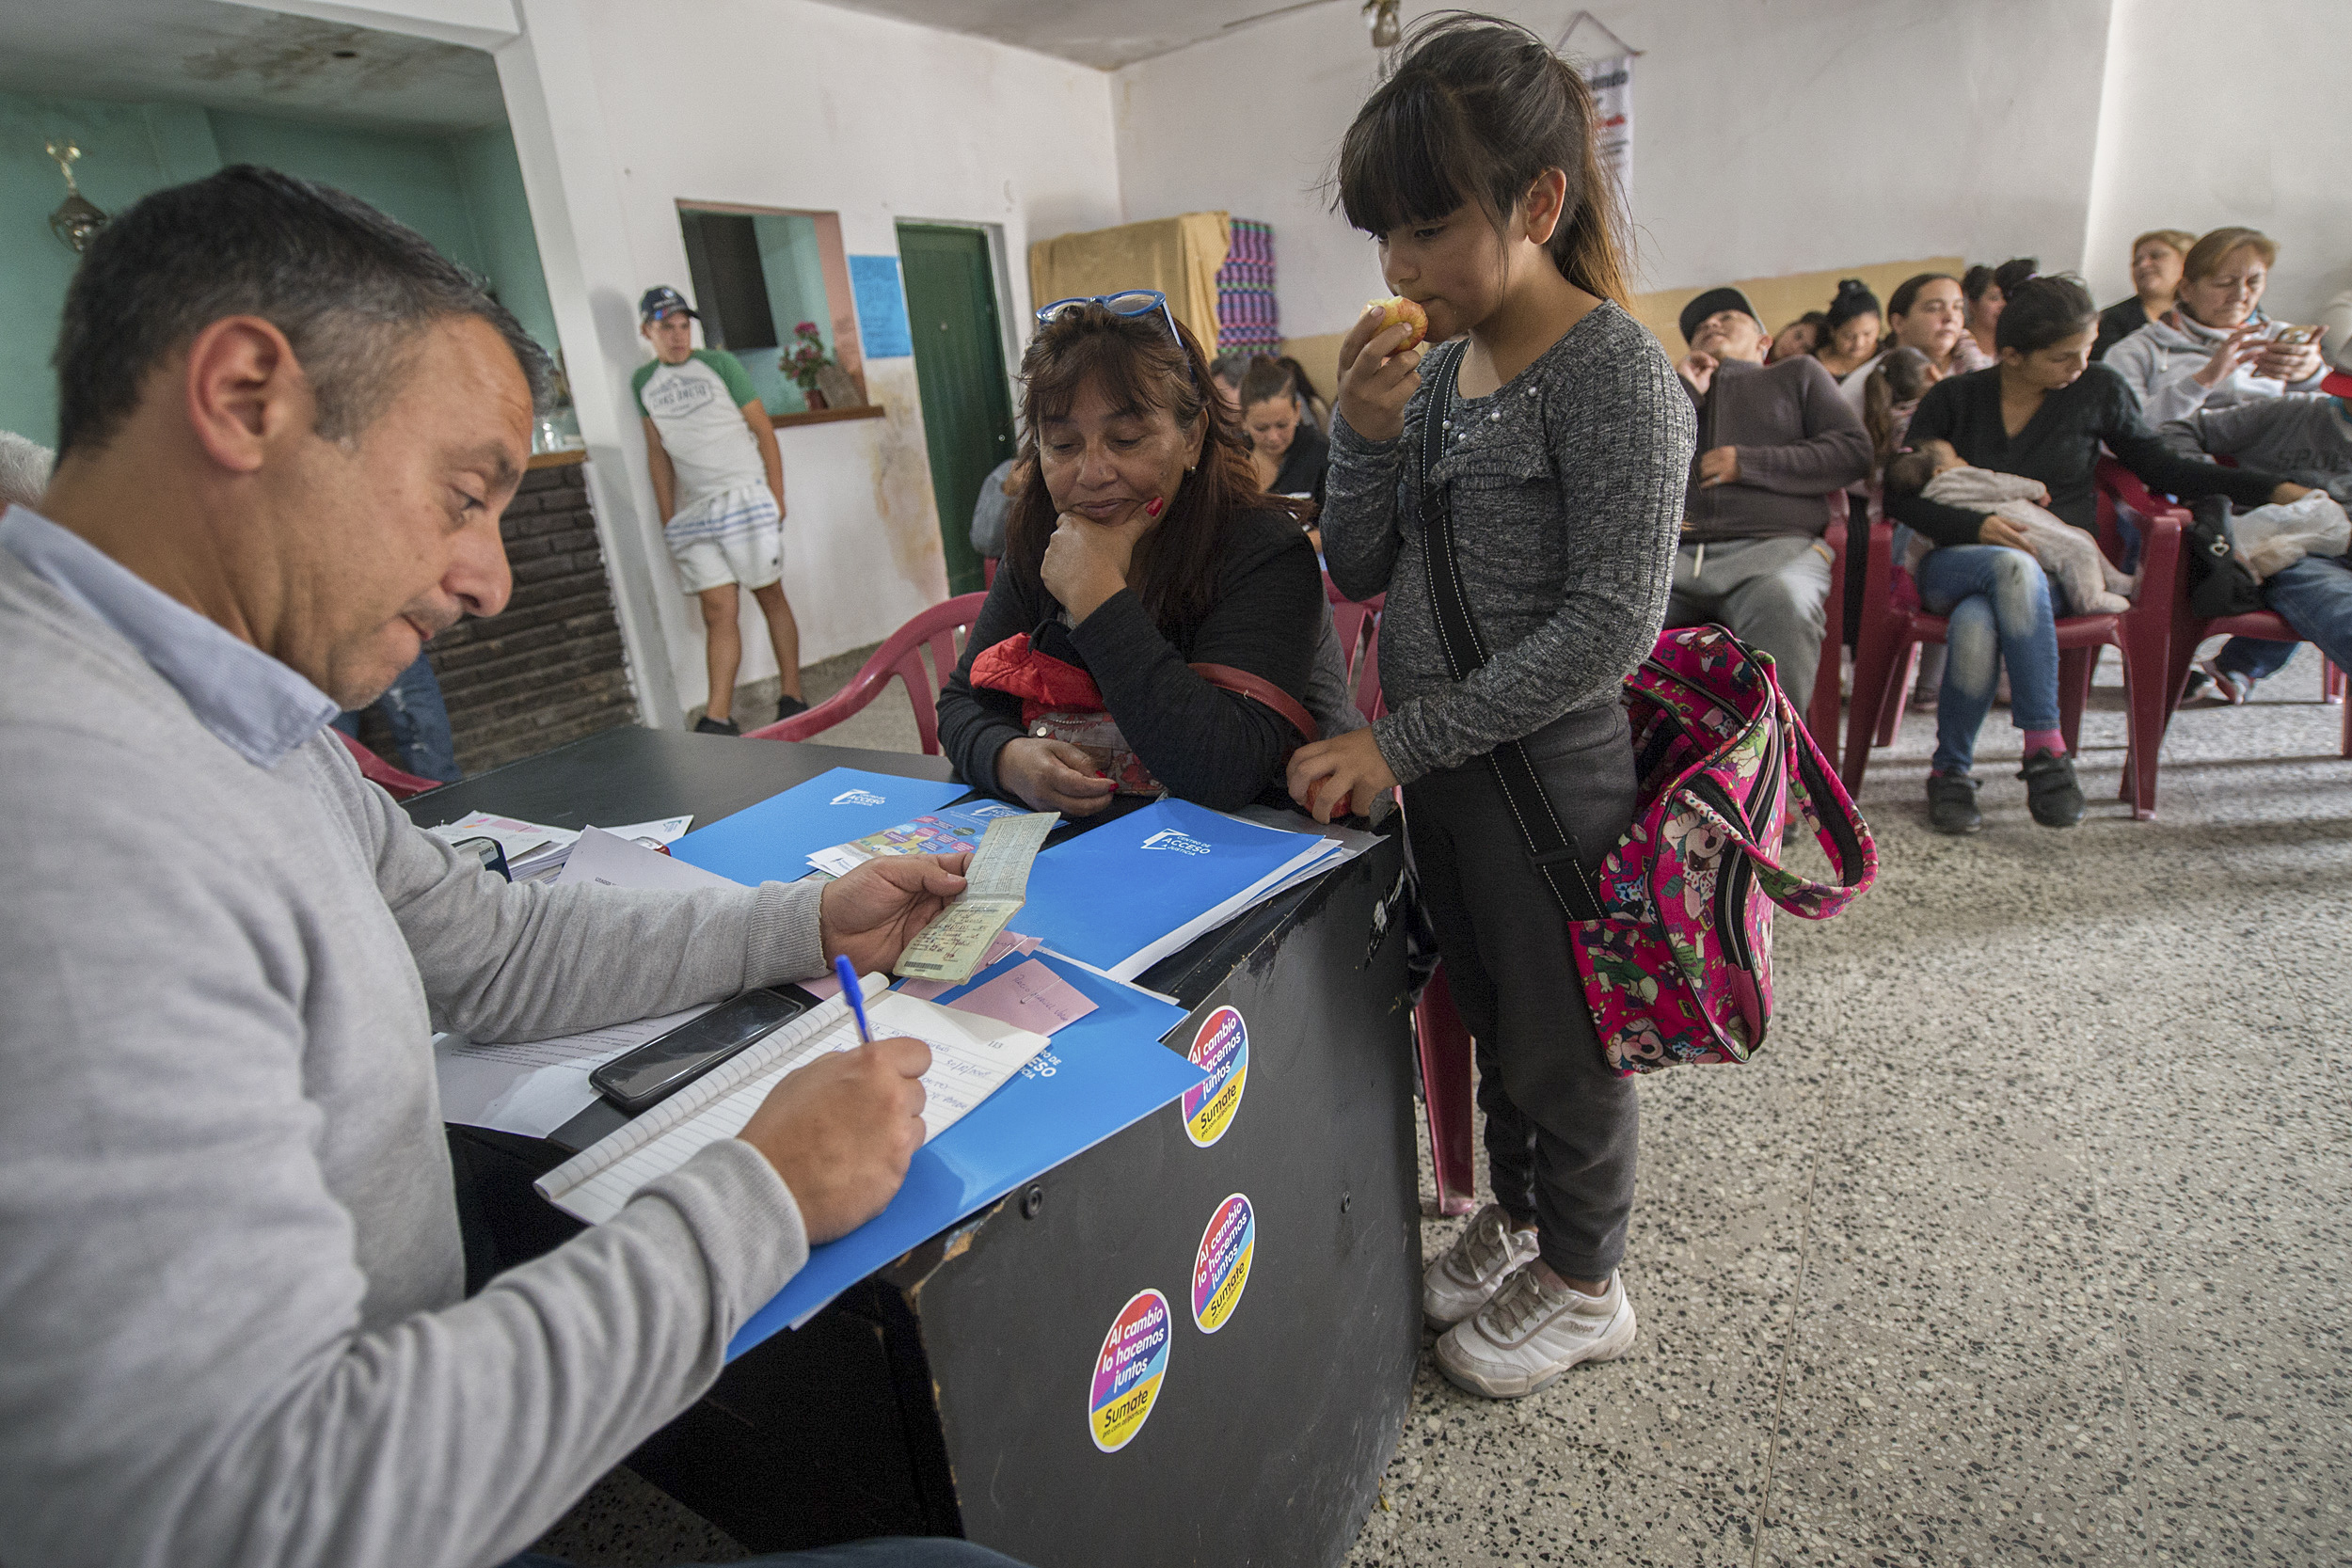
column 971, row 1057
column 949, row 831
column 996, row 884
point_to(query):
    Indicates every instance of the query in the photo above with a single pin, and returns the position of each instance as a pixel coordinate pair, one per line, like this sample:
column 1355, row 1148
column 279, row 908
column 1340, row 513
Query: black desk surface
column 637, row 775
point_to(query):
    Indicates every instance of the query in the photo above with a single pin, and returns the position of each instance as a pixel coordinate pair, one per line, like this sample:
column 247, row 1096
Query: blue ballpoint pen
column 856, row 993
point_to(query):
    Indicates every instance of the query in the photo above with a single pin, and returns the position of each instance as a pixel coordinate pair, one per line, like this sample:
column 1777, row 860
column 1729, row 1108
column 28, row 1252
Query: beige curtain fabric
column 1178, row 256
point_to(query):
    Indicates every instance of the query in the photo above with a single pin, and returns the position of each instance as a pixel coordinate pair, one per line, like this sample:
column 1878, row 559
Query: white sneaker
column 1474, row 1267
column 1530, row 1334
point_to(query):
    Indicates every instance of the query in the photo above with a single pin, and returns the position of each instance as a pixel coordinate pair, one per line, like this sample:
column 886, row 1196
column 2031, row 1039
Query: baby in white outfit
column 2093, row 586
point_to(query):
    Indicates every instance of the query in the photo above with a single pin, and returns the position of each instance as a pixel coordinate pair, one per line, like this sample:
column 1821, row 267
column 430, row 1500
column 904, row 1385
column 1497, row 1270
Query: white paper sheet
column 535, row 1086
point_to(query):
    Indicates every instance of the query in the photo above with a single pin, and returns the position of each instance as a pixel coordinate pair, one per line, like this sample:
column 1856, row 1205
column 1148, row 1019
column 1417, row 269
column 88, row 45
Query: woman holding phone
column 2215, row 348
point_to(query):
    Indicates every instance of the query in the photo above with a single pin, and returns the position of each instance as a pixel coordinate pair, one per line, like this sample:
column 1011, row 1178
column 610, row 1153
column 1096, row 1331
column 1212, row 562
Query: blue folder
column 1111, row 892
column 1101, row 1075
column 772, row 840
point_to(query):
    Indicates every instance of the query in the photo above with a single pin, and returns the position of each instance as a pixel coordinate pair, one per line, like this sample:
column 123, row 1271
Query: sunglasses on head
column 1127, row 302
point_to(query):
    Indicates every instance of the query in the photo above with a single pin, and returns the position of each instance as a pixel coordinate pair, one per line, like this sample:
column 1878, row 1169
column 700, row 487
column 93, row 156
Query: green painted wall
column 462, row 192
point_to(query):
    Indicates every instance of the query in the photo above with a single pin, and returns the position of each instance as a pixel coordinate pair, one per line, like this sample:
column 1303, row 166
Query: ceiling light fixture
column 1381, row 17
column 76, row 221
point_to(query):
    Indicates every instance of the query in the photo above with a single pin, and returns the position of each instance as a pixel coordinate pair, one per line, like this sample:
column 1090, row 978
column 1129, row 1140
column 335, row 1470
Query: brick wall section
column 549, row 669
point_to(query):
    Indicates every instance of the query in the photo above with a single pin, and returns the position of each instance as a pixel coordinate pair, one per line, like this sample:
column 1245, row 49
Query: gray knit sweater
column 1567, row 488
column 231, row 1329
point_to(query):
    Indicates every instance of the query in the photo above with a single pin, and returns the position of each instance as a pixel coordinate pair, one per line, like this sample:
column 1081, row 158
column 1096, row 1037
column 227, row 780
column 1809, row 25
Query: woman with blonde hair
column 2156, row 260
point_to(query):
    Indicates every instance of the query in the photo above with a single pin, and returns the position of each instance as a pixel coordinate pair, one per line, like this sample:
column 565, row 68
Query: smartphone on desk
column 666, row 1063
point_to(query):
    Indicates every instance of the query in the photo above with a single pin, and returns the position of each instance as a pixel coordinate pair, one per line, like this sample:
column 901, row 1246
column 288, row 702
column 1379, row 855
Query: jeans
column 2001, row 608
column 2315, row 597
column 895, row 1552
column 1772, row 593
column 412, row 705
column 1561, row 1127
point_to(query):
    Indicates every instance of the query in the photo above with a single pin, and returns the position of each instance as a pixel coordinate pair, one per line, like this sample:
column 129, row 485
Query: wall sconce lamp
column 76, row 221
column 1380, row 15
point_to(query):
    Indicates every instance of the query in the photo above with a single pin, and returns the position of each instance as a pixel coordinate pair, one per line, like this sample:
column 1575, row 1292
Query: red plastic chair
column 1820, row 708
column 2120, row 486
column 1892, row 632
column 398, row 784
column 901, row 656
column 1357, row 623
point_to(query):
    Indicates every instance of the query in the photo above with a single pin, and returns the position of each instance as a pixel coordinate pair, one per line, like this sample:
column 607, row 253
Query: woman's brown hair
column 1138, row 367
column 1475, row 110
column 1903, row 375
column 2207, row 254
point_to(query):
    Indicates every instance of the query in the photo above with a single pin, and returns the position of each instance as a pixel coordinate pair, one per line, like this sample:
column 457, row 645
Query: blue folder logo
column 1183, row 844
column 858, row 798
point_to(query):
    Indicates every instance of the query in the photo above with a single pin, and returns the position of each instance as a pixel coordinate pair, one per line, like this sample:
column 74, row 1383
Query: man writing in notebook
column 231, row 1320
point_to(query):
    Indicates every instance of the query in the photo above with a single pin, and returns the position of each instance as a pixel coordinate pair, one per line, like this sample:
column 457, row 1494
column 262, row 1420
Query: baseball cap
column 1709, row 303
column 663, row 301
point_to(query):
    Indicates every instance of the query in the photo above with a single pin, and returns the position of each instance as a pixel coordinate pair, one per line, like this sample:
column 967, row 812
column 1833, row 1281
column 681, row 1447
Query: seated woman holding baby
column 2038, row 416
column 1156, row 620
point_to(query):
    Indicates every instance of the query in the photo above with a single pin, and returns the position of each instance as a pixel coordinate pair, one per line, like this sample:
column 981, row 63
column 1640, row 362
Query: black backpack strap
column 1551, row 849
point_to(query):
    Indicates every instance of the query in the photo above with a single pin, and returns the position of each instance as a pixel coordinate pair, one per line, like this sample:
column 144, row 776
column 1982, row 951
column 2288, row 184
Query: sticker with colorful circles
column 1222, row 1047
column 1128, row 1371
column 1221, row 1269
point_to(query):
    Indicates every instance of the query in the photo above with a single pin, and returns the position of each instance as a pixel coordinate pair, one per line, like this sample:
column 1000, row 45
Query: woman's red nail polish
column 1151, row 508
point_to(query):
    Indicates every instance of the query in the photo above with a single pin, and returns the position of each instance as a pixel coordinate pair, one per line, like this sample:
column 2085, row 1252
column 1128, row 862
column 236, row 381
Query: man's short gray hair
column 24, row 466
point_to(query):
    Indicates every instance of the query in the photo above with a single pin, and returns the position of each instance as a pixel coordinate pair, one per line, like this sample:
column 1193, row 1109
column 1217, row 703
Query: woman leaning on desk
column 1147, row 577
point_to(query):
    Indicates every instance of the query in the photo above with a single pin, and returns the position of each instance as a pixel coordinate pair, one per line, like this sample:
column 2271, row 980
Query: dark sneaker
column 716, row 726
column 1952, row 804
column 788, row 707
column 2051, row 793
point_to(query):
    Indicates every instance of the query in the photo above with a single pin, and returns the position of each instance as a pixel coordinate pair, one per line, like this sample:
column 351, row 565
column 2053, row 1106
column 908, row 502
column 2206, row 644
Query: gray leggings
column 1561, row 1127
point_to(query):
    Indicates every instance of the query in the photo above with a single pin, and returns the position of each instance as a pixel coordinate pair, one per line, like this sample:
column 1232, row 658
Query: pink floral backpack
column 1678, row 962
column 1674, row 938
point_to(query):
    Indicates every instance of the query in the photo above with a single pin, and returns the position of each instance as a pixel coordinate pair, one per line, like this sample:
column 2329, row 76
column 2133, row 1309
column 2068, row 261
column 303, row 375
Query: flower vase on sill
column 802, row 362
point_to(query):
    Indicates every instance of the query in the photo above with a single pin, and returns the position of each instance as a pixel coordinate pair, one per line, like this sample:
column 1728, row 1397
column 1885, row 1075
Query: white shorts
column 730, row 536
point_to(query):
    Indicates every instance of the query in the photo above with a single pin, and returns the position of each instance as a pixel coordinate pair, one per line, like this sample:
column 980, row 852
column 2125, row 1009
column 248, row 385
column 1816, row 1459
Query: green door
column 960, row 366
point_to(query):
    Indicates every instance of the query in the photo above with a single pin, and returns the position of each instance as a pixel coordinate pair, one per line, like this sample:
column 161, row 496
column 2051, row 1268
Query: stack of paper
column 996, row 885
column 535, row 851
column 1125, row 894
column 774, row 840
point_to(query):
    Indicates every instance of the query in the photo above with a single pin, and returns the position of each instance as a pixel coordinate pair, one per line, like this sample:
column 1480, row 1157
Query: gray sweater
column 2306, row 439
column 1797, row 438
column 231, row 1329
column 1567, row 495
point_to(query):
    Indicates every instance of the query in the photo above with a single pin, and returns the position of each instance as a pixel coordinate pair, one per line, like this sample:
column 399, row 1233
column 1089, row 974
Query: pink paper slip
column 1027, row 996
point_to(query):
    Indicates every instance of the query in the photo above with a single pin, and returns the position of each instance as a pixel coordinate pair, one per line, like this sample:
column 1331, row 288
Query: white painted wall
column 1770, row 136
column 777, row 103
column 2209, row 119
column 788, row 103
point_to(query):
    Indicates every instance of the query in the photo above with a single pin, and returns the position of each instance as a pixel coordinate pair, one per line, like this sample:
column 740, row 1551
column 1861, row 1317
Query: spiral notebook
column 971, row 1058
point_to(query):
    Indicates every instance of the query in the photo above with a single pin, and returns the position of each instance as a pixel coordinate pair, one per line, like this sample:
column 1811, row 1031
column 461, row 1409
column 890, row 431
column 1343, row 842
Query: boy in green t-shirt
column 719, row 481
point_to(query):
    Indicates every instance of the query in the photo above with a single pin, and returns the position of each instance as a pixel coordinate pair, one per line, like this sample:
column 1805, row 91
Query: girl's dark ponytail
column 1588, row 246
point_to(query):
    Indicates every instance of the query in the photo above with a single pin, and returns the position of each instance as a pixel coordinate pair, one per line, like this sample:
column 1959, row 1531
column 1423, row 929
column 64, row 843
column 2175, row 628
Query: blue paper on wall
column 1099, row 1075
column 1126, row 894
column 882, row 307
column 772, row 840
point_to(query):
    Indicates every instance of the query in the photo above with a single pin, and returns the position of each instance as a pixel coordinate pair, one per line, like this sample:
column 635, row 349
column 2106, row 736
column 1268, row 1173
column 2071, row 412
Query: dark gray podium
column 957, row 1392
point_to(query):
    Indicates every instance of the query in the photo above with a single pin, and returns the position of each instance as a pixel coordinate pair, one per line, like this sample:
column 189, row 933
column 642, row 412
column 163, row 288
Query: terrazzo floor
column 2020, row 1243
